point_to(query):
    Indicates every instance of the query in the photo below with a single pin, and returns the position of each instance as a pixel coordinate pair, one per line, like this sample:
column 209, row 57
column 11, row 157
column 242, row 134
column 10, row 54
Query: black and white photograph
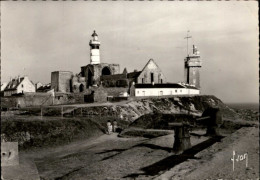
column 111, row 90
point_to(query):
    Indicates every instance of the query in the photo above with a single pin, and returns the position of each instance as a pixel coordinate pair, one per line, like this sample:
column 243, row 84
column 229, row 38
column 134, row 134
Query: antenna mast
column 187, row 37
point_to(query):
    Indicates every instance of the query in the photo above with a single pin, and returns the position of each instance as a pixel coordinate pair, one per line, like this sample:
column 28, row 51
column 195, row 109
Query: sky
column 40, row 37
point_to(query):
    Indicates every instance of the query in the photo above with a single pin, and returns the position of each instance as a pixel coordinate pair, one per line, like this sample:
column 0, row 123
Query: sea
column 252, row 106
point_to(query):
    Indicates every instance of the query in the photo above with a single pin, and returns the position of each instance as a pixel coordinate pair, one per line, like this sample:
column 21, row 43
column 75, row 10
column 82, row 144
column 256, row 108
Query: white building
column 38, row 85
column 141, row 90
column 19, row 85
column 3, row 86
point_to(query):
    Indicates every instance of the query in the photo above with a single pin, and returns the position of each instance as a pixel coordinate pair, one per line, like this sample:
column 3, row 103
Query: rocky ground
column 247, row 114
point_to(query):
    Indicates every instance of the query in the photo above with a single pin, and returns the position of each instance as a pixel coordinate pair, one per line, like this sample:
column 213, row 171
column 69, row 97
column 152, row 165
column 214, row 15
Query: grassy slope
column 49, row 132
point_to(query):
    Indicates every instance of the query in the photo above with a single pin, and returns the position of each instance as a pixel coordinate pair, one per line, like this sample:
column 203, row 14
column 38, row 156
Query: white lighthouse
column 94, row 49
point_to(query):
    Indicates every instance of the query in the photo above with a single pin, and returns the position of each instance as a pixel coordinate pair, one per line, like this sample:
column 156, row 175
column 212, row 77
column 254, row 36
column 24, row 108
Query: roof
column 44, row 88
column 190, row 87
column 150, row 60
column 94, row 34
column 13, row 84
column 173, row 85
column 61, row 72
column 133, row 74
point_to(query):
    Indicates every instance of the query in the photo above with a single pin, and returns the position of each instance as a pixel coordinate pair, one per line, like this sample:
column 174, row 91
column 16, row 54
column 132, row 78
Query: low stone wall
column 115, row 91
column 7, row 102
column 100, row 95
column 42, row 99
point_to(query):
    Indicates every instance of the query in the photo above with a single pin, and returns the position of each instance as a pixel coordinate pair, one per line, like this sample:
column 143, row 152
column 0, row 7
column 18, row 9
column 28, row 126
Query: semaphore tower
column 192, row 65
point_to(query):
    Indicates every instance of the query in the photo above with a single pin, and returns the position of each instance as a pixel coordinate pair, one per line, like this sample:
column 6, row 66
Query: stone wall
column 113, row 91
column 78, row 84
column 41, row 99
column 100, row 95
column 46, row 99
column 93, row 72
column 55, row 81
column 113, row 77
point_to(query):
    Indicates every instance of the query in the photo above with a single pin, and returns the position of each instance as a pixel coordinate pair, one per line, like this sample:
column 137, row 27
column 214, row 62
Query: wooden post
column 41, row 112
column 61, row 111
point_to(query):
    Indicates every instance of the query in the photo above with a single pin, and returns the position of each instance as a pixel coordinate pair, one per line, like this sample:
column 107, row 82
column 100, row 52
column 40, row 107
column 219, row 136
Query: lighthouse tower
column 192, row 65
column 94, row 49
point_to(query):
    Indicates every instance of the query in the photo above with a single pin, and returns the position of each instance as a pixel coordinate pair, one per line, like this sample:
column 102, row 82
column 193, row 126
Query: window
column 137, row 92
column 161, row 93
column 152, row 78
column 22, row 85
column 180, row 90
column 142, row 80
column 176, row 90
column 161, row 81
column 143, row 93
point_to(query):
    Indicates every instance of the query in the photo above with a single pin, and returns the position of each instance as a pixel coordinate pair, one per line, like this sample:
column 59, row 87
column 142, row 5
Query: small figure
column 114, row 126
column 18, row 104
column 109, row 127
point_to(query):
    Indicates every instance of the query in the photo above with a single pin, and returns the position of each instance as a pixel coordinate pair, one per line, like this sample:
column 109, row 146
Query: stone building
column 78, row 83
column 93, row 72
column 61, row 81
column 192, row 65
column 151, row 73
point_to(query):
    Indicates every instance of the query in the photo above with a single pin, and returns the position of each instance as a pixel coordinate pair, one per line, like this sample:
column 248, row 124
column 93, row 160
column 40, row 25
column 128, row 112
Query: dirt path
column 71, row 148
column 110, row 157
